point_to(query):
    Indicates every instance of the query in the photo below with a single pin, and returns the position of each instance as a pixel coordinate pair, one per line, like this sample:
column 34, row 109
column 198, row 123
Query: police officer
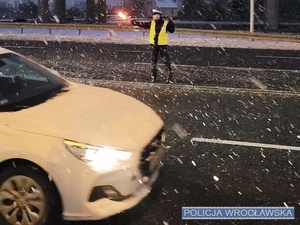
column 158, row 39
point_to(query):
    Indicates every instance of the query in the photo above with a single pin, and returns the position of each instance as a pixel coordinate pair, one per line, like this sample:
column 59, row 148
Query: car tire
column 28, row 196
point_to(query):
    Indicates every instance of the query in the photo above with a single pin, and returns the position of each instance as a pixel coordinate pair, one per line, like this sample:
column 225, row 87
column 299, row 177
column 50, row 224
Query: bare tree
column 90, row 11
column 272, row 14
column 43, row 11
column 60, row 10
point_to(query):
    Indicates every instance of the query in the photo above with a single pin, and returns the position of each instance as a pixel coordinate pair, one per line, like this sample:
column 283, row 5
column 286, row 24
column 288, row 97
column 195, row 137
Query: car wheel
column 27, row 197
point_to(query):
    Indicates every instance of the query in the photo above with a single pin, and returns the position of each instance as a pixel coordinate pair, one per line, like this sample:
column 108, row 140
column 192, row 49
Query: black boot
column 171, row 79
column 154, row 76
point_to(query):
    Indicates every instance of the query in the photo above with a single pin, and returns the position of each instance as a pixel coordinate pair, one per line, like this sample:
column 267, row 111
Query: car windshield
column 24, row 83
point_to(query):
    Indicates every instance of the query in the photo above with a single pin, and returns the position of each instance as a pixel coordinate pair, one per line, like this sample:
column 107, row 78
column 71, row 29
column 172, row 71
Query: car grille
column 149, row 154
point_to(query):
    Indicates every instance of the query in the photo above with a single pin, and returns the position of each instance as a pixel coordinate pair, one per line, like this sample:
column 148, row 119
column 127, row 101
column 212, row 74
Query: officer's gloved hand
column 170, row 19
column 133, row 22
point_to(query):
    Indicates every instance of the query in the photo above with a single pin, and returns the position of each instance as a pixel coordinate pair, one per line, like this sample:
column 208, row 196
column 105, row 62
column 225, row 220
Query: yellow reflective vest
column 163, row 35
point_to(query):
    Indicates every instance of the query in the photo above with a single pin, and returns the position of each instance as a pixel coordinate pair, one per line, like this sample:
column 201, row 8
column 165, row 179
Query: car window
column 10, row 68
column 21, row 79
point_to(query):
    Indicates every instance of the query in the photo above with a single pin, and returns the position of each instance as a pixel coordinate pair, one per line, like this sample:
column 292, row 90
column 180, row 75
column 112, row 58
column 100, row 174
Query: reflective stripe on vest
column 163, row 35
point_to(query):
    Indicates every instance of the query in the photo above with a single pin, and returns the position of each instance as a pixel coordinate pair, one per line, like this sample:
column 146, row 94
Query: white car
column 68, row 149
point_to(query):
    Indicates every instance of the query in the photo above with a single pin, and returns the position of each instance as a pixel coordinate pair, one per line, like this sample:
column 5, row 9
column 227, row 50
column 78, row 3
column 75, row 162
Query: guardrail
column 179, row 31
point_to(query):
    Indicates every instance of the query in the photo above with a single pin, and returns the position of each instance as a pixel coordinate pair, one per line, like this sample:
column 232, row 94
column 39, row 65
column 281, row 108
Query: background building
column 168, row 7
column 268, row 13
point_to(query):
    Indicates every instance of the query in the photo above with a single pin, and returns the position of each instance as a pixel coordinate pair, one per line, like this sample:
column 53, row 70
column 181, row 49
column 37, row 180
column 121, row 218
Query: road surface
column 229, row 94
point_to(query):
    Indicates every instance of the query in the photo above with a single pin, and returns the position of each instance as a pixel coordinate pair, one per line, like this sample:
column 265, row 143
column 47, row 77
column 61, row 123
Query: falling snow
column 258, row 189
column 239, row 114
column 216, row 178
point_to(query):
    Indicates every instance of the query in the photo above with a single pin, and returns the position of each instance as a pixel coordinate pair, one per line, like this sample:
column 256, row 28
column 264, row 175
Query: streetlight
column 251, row 16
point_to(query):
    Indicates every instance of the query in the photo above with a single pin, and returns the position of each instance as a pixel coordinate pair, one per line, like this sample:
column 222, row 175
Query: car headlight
column 99, row 157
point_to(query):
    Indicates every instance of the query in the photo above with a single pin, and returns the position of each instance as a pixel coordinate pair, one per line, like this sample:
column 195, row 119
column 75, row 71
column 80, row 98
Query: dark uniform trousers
column 161, row 50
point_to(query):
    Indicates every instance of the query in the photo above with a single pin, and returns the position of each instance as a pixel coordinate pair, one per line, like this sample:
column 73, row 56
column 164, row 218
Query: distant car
column 20, row 21
column 113, row 18
column 69, row 149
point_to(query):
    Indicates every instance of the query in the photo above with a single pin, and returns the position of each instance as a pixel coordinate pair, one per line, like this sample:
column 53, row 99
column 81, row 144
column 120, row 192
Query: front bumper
column 105, row 207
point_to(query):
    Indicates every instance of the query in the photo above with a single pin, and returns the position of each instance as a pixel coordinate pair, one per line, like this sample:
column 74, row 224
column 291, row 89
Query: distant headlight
column 98, row 157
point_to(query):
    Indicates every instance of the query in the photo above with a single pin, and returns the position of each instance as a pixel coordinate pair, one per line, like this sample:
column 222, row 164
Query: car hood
column 96, row 116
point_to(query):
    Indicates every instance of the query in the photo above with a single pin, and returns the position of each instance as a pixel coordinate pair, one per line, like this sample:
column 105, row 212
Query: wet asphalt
column 230, row 94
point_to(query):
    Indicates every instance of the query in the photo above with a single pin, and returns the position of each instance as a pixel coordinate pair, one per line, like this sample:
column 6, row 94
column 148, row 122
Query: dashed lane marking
column 277, row 57
column 161, row 64
column 227, row 67
column 244, row 143
column 131, row 51
column 254, row 69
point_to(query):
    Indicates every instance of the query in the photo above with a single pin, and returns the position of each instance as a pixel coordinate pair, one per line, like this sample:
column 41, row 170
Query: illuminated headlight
column 98, row 157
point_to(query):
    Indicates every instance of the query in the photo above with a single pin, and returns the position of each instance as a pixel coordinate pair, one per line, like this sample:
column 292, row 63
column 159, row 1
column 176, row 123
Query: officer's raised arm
column 171, row 26
column 145, row 25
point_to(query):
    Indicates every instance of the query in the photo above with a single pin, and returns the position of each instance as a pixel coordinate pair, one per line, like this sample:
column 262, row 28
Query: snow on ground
column 138, row 37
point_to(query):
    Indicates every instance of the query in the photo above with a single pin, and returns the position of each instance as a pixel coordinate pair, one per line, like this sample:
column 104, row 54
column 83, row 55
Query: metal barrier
column 179, row 31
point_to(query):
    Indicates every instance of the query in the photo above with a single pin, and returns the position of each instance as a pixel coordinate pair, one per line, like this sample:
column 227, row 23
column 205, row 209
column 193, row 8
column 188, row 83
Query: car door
column 3, row 121
column 5, row 137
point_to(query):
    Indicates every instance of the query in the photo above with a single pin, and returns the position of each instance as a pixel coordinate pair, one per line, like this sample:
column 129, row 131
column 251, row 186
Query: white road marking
column 137, row 51
column 276, row 57
column 130, row 51
column 19, row 46
column 243, row 143
column 184, row 87
column 225, row 67
column 161, row 64
column 253, row 69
